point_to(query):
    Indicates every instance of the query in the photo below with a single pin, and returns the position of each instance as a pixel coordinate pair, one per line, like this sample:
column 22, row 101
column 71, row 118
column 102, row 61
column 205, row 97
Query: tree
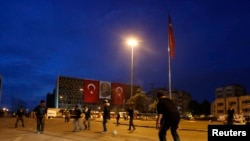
column 152, row 106
column 199, row 108
column 139, row 101
column 205, row 107
column 193, row 107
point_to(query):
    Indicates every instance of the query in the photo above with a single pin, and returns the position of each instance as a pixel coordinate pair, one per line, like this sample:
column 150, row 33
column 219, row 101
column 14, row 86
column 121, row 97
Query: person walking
column 117, row 118
column 87, row 113
column 168, row 117
column 230, row 116
column 77, row 119
column 125, row 116
column 131, row 118
column 106, row 115
column 19, row 116
column 67, row 116
column 40, row 111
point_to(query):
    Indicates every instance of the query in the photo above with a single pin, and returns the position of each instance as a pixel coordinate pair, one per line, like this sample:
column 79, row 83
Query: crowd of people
column 81, row 117
column 168, row 117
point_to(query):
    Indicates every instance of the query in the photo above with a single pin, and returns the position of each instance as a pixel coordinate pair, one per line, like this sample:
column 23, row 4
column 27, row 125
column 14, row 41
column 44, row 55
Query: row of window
column 233, row 102
column 244, row 110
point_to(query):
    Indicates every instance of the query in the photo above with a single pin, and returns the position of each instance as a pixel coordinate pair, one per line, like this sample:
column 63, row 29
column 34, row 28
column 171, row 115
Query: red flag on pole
column 171, row 41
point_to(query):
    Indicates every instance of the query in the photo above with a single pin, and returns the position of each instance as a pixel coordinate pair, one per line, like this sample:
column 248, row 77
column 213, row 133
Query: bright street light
column 132, row 43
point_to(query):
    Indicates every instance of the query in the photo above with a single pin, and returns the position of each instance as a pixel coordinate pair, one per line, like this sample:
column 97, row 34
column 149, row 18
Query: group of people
column 168, row 117
column 39, row 113
column 106, row 116
column 77, row 115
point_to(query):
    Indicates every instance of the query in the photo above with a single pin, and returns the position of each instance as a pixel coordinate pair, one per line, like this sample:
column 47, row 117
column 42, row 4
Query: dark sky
column 41, row 39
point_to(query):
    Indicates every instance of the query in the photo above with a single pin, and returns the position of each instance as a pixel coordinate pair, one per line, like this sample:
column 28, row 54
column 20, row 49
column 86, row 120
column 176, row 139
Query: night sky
column 42, row 39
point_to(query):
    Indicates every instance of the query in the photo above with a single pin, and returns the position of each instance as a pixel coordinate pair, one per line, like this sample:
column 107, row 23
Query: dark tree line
column 197, row 108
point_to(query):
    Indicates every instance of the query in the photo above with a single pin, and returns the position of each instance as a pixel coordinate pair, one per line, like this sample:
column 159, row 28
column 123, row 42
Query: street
column 57, row 129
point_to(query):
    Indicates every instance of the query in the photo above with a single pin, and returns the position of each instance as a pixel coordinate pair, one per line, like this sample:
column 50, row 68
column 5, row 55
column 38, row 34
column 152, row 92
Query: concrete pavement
column 56, row 129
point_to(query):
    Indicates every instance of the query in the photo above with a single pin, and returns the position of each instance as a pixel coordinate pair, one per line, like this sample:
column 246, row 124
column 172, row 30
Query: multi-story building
column 230, row 91
column 232, row 95
column 244, row 104
column 71, row 91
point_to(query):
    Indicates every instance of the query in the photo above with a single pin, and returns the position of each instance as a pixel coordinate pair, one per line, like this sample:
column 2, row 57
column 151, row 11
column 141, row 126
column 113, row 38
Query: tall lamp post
column 132, row 43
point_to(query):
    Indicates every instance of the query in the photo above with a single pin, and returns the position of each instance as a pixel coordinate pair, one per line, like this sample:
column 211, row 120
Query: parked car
column 237, row 119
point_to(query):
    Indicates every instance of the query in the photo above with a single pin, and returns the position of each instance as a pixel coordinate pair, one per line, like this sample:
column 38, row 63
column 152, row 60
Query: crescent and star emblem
column 119, row 91
column 90, row 85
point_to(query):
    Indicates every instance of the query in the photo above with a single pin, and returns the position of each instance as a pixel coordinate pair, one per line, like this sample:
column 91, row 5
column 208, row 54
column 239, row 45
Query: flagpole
column 171, row 45
column 169, row 72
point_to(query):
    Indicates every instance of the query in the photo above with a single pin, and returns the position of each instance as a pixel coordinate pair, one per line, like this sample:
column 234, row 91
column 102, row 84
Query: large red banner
column 118, row 93
column 91, row 91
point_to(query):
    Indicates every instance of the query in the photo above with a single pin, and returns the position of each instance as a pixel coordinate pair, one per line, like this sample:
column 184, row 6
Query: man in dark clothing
column 19, row 115
column 106, row 115
column 77, row 116
column 131, row 118
column 87, row 113
column 40, row 112
column 230, row 116
column 67, row 116
column 117, row 118
column 168, row 117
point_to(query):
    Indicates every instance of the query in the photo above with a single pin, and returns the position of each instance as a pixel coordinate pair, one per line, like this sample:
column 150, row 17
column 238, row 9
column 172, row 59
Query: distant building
column 231, row 95
column 230, row 91
column 68, row 92
column 71, row 91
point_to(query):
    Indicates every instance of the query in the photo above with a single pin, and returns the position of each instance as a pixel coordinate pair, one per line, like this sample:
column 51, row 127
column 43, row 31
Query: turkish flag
column 118, row 93
column 171, row 39
column 91, row 91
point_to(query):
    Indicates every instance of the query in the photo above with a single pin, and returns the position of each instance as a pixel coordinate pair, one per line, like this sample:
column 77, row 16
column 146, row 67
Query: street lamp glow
column 132, row 43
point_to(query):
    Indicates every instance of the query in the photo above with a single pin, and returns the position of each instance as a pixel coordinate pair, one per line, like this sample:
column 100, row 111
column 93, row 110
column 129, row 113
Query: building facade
column 232, row 95
column 230, row 91
column 71, row 91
